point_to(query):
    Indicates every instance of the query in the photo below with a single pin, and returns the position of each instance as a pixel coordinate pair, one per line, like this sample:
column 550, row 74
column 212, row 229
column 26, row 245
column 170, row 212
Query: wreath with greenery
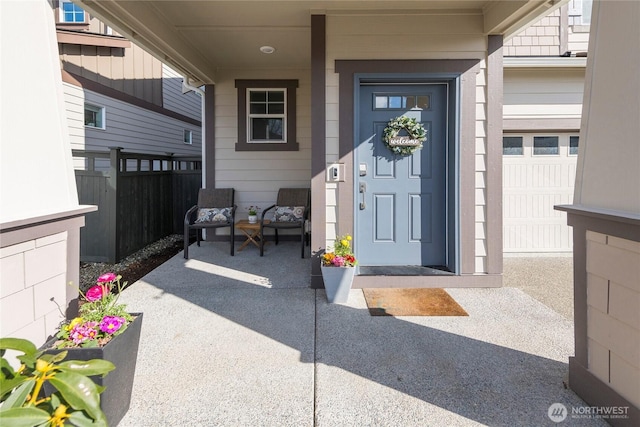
column 417, row 135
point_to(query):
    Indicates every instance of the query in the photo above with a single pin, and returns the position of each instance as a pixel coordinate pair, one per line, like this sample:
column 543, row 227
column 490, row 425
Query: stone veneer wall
column 38, row 263
column 613, row 313
column 605, row 371
column 33, row 277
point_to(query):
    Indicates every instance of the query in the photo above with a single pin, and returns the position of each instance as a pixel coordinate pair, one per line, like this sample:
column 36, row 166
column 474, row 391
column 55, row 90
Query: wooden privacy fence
column 141, row 198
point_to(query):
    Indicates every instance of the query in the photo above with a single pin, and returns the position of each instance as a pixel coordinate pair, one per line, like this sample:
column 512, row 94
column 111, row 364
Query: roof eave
column 510, row 17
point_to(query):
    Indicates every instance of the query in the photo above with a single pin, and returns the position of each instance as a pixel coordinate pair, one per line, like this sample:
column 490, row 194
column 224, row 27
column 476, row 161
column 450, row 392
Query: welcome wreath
column 404, row 145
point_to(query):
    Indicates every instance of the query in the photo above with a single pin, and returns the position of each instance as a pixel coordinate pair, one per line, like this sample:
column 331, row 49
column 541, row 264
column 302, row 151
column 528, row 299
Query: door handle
column 363, row 189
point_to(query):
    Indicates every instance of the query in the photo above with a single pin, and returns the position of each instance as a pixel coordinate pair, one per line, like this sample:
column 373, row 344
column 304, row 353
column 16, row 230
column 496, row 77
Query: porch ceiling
column 198, row 37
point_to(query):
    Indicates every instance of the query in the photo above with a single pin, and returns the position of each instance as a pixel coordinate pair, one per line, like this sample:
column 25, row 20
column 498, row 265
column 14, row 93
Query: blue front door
column 401, row 215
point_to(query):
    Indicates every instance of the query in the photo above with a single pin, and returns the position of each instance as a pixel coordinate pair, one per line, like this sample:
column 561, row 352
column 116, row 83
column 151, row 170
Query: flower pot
column 122, row 351
column 337, row 282
column 253, row 219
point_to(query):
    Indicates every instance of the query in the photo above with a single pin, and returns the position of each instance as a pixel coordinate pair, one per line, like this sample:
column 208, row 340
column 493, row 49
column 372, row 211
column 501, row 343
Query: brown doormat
column 411, row 302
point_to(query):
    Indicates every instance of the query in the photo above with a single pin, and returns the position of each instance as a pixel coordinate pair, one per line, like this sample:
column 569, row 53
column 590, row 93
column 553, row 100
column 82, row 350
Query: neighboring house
column 544, row 69
column 119, row 95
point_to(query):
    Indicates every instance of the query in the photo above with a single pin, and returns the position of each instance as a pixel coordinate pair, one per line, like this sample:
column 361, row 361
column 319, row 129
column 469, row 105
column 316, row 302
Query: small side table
column 252, row 231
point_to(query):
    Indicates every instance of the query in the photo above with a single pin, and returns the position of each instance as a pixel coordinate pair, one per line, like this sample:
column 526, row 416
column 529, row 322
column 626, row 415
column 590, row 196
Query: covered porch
column 314, row 62
column 244, row 341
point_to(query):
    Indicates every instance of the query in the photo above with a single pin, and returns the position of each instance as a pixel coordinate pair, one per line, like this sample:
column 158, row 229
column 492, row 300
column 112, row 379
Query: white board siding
column 188, row 104
column 133, row 128
column 416, row 36
column 257, row 175
column 543, row 93
column 532, row 186
column 74, row 105
column 578, row 41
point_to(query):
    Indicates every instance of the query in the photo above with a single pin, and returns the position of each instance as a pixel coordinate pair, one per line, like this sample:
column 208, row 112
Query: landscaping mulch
column 136, row 265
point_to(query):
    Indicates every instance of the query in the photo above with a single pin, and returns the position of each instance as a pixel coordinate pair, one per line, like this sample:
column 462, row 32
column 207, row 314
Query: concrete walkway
column 243, row 341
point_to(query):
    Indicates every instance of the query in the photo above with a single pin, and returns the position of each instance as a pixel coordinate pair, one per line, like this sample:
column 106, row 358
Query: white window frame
column 282, row 116
column 569, row 153
column 533, row 146
column 522, row 143
column 61, row 16
column 96, row 109
column 187, row 137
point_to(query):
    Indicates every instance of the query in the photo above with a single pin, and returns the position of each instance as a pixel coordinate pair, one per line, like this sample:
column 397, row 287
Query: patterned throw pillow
column 213, row 215
column 288, row 214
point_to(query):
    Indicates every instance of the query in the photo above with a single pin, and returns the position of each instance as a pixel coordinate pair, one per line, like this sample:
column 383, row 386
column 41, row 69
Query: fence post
column 170, row 161
column 113, row 233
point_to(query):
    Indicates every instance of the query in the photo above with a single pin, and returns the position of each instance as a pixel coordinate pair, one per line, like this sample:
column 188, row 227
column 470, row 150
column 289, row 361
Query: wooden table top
column 244, row 223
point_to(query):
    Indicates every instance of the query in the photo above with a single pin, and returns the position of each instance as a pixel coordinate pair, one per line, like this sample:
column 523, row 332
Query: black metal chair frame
column 288, row 197
column 210, row 198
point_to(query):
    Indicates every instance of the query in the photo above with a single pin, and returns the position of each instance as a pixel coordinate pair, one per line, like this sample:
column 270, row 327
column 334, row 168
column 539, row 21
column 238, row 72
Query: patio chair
column 290, row 212
column 215, row 209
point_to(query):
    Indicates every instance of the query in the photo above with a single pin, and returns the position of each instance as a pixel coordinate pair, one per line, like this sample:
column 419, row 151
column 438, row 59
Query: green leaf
column 54, row 358
column 19, row 396
column 79, row 392
column 55, row 401
column 90, row 344
column 6, row 386
column 6, row 370
column 80, row 419
column 28, row 360
column 9, row 379
column 19, row 344
column 87, row 367
column 23, row 417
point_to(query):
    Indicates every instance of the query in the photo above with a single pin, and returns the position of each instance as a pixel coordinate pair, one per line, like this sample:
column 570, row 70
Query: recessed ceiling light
column 267, row 49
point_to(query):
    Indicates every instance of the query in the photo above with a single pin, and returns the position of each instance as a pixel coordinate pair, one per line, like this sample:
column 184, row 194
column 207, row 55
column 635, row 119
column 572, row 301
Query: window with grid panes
column 71, row 13
column 267, row 115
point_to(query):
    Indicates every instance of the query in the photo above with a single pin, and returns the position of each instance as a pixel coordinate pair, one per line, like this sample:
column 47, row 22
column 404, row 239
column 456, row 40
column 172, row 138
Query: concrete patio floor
column 244, row 341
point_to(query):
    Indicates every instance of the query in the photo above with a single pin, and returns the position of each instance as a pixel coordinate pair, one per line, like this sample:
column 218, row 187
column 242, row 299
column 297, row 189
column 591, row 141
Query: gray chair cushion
column 288, row 214
column 213, row 215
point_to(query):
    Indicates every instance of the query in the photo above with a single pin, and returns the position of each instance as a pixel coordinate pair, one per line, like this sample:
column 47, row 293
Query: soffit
column 199, row 38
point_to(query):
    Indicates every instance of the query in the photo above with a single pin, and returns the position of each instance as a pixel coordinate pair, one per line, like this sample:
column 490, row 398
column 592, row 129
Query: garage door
column 538, row 173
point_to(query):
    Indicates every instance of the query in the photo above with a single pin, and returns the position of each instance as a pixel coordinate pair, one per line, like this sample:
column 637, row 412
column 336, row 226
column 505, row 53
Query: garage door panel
column 532, row 186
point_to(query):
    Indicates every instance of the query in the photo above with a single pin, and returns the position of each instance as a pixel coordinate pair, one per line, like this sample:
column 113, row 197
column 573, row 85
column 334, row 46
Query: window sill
column 265, row 146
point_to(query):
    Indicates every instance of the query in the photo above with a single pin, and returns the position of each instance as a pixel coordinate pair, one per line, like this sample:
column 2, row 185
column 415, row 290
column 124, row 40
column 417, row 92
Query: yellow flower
column 43, row 366
column 348, row 237
column 59, row 416
column 344, row 242
column 73, row 323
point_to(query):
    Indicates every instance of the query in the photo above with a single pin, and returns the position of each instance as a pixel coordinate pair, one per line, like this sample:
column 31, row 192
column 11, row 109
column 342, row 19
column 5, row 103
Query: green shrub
column 76, row 400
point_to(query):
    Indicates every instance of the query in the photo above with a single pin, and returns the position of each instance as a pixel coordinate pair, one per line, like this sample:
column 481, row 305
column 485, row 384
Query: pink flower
column 107, row 277
column 111, row 324
column 83, row 332
column 96, row 293
column 338, row 261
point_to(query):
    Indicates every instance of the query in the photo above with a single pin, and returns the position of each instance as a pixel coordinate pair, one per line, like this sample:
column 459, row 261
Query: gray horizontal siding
column 188, row 104
column 133, row 128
